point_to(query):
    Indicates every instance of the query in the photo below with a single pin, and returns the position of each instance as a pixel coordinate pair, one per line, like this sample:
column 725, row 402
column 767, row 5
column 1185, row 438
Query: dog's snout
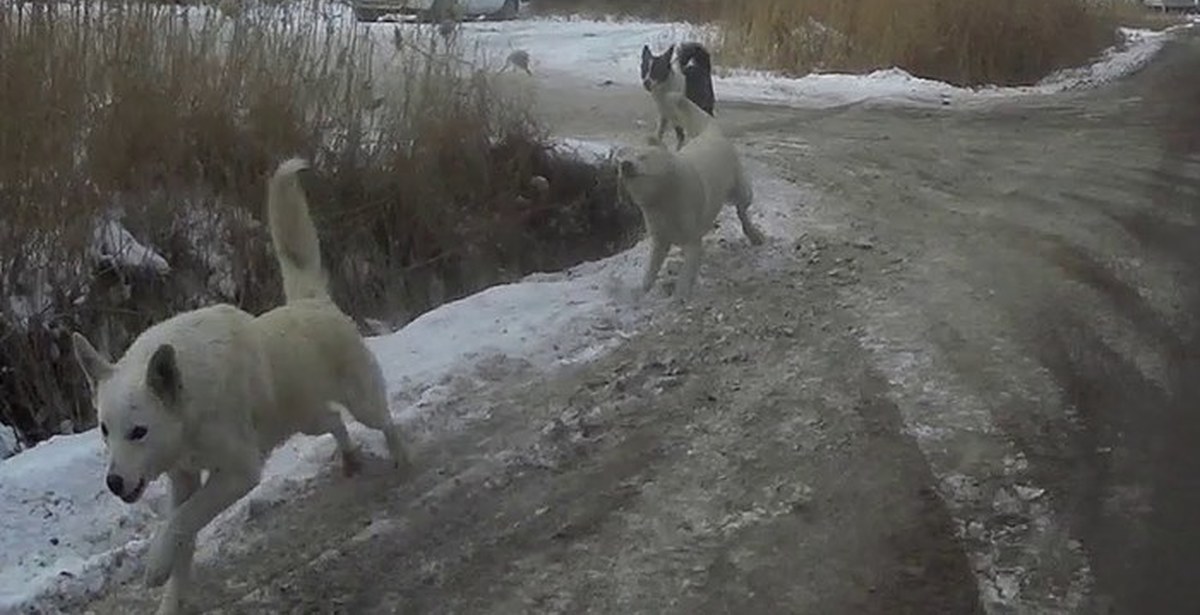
column 115, row 484
column 648, row 84
column 627, row 167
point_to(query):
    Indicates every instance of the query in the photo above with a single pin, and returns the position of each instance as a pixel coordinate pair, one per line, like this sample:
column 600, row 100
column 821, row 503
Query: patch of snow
column 113, row 243
column 38, row 275
column 206, row 227
column 584, row 149
column 1139, row 47
column 61, row 533
column 9, row 443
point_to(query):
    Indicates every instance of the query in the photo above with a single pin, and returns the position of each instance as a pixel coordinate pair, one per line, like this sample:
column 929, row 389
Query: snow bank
column 61, row 533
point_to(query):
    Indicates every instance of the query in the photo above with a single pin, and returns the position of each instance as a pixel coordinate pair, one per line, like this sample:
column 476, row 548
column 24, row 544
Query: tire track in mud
column 1021, row 553
column 1040, row 333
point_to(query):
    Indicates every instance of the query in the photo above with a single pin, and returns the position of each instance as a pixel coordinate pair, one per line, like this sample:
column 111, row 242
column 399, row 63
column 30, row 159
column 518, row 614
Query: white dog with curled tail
column 217, row 389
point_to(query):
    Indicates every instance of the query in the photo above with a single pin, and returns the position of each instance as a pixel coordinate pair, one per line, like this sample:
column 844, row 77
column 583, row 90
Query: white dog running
column 218, row 389
column 681, row 193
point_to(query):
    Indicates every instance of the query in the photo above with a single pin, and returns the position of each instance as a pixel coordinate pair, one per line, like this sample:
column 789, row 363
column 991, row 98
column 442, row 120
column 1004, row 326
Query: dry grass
column 173, row 117
column 966, row 42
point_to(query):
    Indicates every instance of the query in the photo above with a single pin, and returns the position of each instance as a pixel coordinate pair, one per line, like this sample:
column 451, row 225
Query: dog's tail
column 293, row 234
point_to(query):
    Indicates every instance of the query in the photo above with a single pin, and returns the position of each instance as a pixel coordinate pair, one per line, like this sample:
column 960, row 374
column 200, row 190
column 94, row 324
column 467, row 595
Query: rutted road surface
column 968, row 384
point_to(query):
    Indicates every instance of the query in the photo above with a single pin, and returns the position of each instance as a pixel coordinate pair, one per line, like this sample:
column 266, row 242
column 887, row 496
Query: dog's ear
column 646, row 55
column 95, row 366
column 162, row 374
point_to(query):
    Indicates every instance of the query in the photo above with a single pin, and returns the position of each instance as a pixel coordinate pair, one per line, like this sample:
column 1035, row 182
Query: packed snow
column 113, row 243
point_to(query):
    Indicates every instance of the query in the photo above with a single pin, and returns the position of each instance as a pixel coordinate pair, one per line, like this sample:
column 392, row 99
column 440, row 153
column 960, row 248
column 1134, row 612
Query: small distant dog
column 216, row 389
column 518, row 59
column 680, row 193
column 688, row 72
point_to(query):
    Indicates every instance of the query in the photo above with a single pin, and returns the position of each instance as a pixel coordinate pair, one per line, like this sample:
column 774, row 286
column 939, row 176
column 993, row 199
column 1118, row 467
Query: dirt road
column 969, row 386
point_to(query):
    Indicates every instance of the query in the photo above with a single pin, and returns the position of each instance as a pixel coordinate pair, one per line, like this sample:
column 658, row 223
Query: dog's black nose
column 627, row 168
column 115, row 484
column 648, row 84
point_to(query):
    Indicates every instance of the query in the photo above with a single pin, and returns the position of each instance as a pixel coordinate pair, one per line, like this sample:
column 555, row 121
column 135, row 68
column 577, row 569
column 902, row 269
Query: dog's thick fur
column 217, row 389
column 687, row 72
column 681, row 193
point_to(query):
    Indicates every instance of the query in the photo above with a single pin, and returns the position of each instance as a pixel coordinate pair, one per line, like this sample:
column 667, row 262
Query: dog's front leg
column 658, row 255
column 690, row 270
column 223, row 487
column 663, row 123
column 183, row 485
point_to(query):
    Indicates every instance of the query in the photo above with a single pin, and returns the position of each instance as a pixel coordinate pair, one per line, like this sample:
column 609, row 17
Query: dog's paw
column 160, row 557
column 756, row 237
column 169, row 606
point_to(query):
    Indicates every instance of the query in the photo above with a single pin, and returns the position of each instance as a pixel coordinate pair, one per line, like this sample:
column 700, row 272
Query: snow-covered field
column 62, row 536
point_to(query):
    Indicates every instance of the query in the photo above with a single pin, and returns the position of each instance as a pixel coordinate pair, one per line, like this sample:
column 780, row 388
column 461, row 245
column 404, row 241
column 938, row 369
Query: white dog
column 218, row 389
column 681, row 193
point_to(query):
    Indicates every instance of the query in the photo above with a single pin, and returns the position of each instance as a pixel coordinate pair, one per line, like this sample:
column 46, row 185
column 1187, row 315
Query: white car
column 436, row 10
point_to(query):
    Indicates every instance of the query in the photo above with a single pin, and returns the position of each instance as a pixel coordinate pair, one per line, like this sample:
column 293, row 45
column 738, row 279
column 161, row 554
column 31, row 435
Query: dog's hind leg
column 372, row 410
column 690, row 270
column 658, row 255
column 743, row 196
column 183, row 485
column 332, row 422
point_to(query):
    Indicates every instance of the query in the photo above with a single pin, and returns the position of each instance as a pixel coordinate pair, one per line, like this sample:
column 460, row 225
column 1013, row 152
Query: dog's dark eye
column 104, row 430
column 137, row 433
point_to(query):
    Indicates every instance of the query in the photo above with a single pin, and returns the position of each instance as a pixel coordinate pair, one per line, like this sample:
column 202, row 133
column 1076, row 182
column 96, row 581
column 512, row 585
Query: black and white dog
column 688, row 71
